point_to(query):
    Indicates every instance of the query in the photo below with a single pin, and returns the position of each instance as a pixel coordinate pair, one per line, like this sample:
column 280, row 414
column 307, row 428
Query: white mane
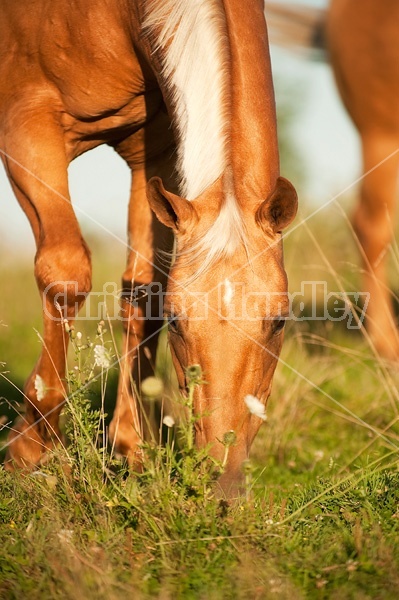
column 196, row 56
column 194, row 40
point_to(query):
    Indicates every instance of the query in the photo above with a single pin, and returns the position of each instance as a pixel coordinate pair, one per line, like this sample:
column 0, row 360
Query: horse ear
column 277, row 212
column 172, row 210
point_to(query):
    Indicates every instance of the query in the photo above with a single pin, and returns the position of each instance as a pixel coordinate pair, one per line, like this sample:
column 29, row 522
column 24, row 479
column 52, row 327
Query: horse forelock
column 192, row 38
column 221, row 241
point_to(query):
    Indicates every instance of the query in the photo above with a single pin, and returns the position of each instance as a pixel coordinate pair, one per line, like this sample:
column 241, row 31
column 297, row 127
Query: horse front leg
column 374, row 221
column 37, row 168
column 143, row 281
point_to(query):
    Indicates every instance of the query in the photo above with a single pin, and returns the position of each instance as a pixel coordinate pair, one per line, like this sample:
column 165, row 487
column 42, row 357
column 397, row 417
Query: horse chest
column 82, row 133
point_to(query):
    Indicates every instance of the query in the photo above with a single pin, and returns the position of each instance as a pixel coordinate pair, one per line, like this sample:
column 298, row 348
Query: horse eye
column 279, row 324
column 173, row 322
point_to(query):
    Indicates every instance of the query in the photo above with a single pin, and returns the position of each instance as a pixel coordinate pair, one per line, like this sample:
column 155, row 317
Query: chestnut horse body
column 162, row 82
column 364, row 51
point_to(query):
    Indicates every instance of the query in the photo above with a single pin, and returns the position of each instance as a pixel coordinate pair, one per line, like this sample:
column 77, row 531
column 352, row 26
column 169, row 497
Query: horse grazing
column 364, row 51
column 182, row 90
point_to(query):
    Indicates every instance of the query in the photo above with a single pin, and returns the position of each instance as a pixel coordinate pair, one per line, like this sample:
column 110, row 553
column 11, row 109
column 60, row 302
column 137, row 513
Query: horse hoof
column 125, row 443
column 26, row 447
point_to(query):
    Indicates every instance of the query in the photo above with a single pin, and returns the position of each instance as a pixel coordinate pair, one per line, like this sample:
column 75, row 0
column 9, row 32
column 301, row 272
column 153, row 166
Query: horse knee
column 63, row 274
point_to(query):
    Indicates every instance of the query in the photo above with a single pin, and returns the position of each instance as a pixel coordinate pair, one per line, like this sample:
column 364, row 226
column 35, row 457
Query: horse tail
column 298, row 27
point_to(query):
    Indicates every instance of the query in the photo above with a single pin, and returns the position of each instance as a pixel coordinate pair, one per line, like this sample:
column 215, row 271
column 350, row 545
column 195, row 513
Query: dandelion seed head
column 152, row 388
column 168, row 420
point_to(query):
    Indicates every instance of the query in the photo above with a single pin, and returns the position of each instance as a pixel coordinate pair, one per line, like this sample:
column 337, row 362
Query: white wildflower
column 79, row 335
column 102, row 357
column 255, row 407
column 40, row 388
column 65, row 536
column 168, row 421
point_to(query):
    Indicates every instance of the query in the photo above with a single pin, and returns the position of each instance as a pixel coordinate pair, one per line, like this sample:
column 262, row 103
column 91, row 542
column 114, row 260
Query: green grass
column 320, row 515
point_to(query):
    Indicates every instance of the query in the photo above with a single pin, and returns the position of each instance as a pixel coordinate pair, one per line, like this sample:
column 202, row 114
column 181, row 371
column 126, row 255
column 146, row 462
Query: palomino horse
column 139, row 75
column 364, row 49
column 363, row 43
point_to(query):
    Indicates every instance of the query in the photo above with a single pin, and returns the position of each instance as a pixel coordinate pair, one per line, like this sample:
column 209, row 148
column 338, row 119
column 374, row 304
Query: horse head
column 226, row 305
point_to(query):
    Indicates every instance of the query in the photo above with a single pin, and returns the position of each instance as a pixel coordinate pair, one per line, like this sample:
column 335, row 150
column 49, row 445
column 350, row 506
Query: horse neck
column 213, row 64
column 254, row 148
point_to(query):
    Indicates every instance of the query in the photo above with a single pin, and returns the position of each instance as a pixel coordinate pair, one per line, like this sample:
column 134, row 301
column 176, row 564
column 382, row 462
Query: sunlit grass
column 320, row 514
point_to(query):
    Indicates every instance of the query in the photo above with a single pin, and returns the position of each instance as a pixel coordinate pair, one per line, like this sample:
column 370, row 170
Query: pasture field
column 320, row 514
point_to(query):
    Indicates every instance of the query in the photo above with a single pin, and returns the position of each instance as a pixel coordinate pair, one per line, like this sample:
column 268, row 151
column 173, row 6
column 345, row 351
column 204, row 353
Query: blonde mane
column 192, row 35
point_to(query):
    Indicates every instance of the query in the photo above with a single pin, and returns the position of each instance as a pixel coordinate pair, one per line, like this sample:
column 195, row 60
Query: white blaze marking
column 228, row 292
